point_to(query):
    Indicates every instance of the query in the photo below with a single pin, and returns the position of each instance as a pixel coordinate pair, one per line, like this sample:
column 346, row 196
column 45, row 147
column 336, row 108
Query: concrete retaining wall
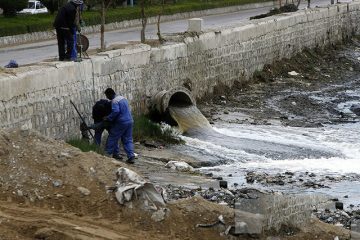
column 38, row 96
column 47, row 35
column 270, row 212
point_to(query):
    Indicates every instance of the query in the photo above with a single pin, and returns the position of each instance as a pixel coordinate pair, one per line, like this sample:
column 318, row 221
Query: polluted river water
column 329, row 152
column 324, row 159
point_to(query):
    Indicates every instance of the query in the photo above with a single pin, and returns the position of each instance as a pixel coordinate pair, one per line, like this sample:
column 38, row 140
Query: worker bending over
column 121, row 127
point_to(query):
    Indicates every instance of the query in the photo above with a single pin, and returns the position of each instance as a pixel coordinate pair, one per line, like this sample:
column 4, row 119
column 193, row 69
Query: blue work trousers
column 121, row 131
column 98, row 135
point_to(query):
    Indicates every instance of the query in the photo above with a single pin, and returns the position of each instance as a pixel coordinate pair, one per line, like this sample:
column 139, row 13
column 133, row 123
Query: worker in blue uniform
column 121, row 127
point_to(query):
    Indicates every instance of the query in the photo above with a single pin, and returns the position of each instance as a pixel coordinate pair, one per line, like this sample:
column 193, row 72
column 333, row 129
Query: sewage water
column 332, row 150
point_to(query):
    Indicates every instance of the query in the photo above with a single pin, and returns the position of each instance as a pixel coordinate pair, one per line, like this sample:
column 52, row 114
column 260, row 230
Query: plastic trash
column 12, row 64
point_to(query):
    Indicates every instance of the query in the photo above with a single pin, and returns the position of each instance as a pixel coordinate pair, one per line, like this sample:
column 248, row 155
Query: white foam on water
column 344, row 139
column 322, row 165
column 220, row 151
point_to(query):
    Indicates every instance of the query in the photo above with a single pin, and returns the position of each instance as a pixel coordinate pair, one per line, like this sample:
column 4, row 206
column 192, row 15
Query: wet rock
column 250, row 178
column 223, row 184
column 312, row 184
column 339, row 205
column 84, row 191
column 208, row 174
column 218, row 178
column 330, row 220
column 355, row 108
column 312, row 175
column 330, row 178
column 214, row 198
column 252, row 195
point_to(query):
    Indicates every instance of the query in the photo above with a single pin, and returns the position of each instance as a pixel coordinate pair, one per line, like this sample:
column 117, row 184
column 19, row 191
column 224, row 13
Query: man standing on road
column 121, row 127
column 66, row 22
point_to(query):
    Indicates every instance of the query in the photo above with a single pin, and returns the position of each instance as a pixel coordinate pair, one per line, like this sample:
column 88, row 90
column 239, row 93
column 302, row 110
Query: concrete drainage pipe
column 178, row 96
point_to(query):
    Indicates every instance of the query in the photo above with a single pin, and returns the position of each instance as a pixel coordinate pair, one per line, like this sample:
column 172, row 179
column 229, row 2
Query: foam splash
column 342, row 138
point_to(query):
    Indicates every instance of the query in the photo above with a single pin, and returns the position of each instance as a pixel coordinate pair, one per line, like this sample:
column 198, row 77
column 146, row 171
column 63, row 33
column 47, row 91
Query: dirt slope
column 39, row 199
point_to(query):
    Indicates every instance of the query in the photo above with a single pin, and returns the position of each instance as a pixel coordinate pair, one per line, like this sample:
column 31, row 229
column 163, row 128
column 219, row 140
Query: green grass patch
column 145, row 129
column 41, row 22
column 85, row 146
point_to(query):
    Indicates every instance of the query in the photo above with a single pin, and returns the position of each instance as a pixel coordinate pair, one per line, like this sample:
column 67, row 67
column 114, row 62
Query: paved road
column 36, row 52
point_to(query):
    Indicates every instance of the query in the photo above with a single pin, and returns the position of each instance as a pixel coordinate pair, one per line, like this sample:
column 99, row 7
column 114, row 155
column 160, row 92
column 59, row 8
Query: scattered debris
column 159, row 215
column 220, row 220
column 84, row 191
column 180, row 166
column 293, row 73
column 12, row 64
column 131, row 185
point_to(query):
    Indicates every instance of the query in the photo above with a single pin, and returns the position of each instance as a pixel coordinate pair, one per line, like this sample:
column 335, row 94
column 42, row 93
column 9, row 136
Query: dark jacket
column 101, row 109
column 65, row 18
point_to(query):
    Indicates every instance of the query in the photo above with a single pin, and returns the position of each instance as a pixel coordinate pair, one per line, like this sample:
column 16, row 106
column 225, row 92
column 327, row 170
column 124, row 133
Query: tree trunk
column 161, row 39
column 143, row 21
column 102, row 28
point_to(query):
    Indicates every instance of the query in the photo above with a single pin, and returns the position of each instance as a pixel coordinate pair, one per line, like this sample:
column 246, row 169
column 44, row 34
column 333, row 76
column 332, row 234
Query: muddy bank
column 302, row 91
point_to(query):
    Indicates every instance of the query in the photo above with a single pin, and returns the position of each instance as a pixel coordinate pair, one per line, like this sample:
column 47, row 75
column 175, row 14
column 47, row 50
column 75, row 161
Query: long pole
column 82, row 119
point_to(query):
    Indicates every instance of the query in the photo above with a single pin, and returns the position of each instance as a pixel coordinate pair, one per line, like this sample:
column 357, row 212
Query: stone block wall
column 271, row 212
column 38, row 96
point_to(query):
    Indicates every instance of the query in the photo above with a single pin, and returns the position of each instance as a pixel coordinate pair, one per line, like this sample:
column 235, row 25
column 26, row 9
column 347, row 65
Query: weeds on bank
column 145, row 129
column 85, row 146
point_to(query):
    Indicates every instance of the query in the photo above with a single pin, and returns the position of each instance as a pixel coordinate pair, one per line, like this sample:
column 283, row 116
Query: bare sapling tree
column 161, row 39
column 143, row 20
column 104, row 6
